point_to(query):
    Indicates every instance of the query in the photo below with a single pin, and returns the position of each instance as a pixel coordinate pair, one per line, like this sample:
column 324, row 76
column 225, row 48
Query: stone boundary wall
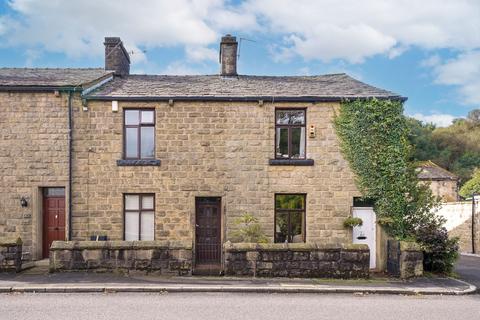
column 458, row 216
column 11, row 255
column 296, row 260
column 404, row 259
column 163, row 257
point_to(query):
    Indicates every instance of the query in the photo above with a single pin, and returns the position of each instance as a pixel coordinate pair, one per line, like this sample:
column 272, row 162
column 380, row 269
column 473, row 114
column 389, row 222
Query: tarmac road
column 233, row 306
column 468, row 268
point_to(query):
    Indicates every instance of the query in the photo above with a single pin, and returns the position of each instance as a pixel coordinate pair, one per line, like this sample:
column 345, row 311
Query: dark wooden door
column 53, row 217
column 208, row 231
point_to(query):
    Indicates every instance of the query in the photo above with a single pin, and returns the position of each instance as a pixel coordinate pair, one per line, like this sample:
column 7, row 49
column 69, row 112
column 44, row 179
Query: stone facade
column 164, row 257
column 447, row 190
column 11, row 255
column 216, row 149
column 33, row 154
column 405, row 259
column 296, row 260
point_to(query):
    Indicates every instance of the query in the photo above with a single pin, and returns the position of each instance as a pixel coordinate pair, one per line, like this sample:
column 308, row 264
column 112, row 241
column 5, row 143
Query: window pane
column 148, row 142
column 131, row 226
column 297, row 117
column 290, row 117
column 132, row 117
column 282, row 143
column 132, row 202
column 147, row 202
column 281, row 227
column 147, row 224
column 296, row 226
column 131, row 146
column 289, row 201
column 147, row 116
column 298, row 143
column 54, row 192
column 283, row 117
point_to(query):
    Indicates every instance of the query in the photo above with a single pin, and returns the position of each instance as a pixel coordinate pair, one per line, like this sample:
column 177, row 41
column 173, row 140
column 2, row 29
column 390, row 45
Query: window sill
column 291, row 162
column 139, row 162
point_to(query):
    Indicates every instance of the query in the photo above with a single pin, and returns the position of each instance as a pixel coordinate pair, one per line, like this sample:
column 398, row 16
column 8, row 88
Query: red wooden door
column 208, row 231
column 53, row 217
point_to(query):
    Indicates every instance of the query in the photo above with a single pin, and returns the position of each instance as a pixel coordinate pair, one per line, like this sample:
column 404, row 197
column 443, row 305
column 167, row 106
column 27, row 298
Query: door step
column 207, row 270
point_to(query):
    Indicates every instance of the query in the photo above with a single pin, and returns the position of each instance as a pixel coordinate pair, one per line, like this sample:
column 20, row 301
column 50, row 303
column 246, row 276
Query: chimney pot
column 116, row 57
column 228, row 55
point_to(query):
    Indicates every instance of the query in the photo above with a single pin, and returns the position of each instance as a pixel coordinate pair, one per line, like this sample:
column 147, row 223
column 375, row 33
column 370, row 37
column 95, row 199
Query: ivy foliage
column 374, row 139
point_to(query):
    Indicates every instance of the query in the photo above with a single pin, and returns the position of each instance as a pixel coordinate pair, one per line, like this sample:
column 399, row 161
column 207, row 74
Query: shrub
column 440, row 251
column 249, row 230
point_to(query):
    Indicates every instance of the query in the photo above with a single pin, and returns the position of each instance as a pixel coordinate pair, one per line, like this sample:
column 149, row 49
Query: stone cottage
column 442, row 182
column 105, row 154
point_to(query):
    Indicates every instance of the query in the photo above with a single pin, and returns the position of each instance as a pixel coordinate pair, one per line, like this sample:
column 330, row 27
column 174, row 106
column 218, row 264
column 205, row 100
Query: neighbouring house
column 104, row 154
column 442, row 182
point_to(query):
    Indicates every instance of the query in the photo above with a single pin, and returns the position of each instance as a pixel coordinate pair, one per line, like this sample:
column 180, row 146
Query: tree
column 472, row 186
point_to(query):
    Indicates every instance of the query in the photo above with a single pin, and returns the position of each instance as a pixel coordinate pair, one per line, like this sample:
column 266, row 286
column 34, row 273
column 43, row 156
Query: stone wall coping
column 11, row 242
column 409, row 246
column 228, row 246
column 157, row 244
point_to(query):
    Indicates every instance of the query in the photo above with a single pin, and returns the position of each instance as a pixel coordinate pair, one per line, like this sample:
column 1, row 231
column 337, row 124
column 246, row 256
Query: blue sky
column 426, row 50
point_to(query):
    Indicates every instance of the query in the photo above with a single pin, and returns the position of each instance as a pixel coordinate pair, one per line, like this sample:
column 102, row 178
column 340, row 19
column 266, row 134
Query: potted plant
column 351, row 222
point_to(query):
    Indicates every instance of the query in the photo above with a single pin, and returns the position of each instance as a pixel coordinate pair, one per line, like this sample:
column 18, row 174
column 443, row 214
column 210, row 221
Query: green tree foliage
column 374, row 137
column 455, row 148
column 472, row 186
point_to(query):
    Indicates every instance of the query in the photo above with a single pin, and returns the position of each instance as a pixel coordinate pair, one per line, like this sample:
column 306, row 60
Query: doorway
column 208, row 245
column 53, row 217
column 366, row 233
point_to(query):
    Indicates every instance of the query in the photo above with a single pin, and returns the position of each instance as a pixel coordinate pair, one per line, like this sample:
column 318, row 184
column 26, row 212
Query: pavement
column 39, row 280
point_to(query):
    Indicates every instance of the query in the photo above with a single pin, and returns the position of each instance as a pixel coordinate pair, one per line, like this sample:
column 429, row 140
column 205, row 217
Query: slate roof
column 429, row 170
column 46, row 77
column 323, row 87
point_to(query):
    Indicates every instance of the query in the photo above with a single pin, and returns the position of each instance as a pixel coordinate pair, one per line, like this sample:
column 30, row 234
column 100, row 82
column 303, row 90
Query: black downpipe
column 70, row 147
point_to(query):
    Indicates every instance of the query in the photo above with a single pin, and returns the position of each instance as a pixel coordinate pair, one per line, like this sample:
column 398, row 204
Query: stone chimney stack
column 228, row 56
column 116, row 57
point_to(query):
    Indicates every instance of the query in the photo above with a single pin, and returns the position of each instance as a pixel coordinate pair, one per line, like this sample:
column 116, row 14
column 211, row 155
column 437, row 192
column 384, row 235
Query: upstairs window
column 290, row 218
column 290, row 139
column 139, row 133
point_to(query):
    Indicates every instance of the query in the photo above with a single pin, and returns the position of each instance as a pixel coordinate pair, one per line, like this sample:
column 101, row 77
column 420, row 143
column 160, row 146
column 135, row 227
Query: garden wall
column 458, row 216
column 11, row 256
column 296, row 260
column 164, row 257
column 405, row 259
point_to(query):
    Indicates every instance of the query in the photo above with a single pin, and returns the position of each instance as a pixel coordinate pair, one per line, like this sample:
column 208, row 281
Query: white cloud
column 463, row 72
column 78, row 30
column 431, row 61
column 440, row 120
column 355, row 30
column 180, row 68
column 197, row 54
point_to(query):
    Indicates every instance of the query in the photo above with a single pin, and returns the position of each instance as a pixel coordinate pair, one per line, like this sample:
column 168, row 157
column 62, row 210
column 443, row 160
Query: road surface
column 233, row 306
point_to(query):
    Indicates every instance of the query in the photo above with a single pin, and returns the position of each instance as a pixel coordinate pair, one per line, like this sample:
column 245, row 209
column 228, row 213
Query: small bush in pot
column 351, row 222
